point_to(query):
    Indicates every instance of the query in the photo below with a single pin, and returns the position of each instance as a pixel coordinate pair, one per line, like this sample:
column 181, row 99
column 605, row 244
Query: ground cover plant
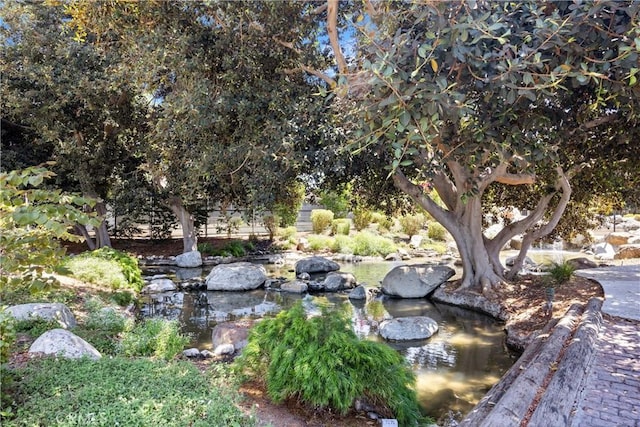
column 121, row 391
column 107, row 267
column 321, row 362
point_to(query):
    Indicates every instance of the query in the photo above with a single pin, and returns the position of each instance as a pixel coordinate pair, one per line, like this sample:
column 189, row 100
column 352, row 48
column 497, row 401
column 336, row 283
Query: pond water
column 454, row 368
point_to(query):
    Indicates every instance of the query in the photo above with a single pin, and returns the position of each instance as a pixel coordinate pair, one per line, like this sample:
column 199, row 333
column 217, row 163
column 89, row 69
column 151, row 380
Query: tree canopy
column 467, row 96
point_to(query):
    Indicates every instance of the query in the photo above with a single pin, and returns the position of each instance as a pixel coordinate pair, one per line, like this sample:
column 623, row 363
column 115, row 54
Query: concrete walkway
column 611, row 391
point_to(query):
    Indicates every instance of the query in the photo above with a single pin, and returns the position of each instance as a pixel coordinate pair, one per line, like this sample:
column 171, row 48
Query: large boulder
column 408, row 328
column 337, row 281
column 189, row 259
column 316, row 264
column 581, row 263
column 628, row 252
column 631, row 224
column 63, row 343
column 46, row 311
column 618, row 238
column 295, row 287
column 237, row 276
column 415, row 281
column 604, row 251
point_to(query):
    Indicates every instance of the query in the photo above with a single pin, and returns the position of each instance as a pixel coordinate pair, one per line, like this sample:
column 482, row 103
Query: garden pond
column 454, row 368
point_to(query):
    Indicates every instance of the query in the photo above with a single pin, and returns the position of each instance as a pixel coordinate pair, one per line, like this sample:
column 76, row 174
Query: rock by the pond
column 184, row 274
column 358, row 293
column 207, row 354
column 237, row 276
column 295, row 287
column 47, row 311
column 159, row 285
column 527, row 263
column 618, row 238
column 316, row 264
column 303, row 276
column 416, row 241
column 581, row 263
column 408, row 328
column 337, row 281
column 224, row 349
column 604, row 251
column 189, row 259
column 191, row 352
column 234, row 333
column 65, row 344
column 628, row 252
column 415, row 281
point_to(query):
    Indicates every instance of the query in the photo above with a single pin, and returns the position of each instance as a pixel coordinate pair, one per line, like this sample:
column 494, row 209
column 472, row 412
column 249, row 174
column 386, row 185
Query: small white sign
column 388, row 422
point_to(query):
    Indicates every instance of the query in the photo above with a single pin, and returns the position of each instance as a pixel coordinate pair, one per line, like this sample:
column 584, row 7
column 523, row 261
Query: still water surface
column 454, row 368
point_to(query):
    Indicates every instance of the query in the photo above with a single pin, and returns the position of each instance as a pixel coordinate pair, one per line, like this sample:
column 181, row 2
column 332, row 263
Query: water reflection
column 454, row 368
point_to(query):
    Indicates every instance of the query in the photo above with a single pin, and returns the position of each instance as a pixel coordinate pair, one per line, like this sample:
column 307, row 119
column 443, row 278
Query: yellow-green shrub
column 436, row 231
column 321, row 220
column 341, row 226
column 412, row 224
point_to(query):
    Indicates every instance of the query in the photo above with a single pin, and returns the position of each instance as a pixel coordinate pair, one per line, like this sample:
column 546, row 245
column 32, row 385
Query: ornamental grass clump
column 321, row 362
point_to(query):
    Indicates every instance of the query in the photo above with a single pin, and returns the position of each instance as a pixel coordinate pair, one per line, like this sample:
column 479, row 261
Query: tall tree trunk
column 102, row 238
column 189, row 234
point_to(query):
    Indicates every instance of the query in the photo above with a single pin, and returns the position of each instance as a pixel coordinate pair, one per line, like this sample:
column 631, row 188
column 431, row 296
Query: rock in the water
column 65, row 344
column 408, row 328
column 296, row 287
column 358, row 293
column 189, row 259
column 316, row 264
column 238, row 276
column 339, row 281
column 234, row 333
column 47, row 311
column 159, row 285
column 185, row 274
column 415, row 281
column 224, row 349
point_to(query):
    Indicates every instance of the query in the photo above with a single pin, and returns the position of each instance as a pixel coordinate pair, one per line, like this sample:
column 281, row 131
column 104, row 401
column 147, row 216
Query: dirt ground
column 524, row 299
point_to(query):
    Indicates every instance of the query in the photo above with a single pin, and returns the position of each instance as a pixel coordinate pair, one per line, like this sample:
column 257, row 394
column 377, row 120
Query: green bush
column 270, row 223
column 107, row 267
column 369, row 244
column 384, row 222
column 154, row 337
column 321, row 361
column 336, row 202
column 35, row 326
column 412, row 224
column 103, row 327
column 321, row 220
column 206, row 248
column 341, row 226
column 342, row 244
column 287, row 233
column 436, row 231
column 123, row 392
column 560, row 272
column 362, row 218
column 319, row 242
column 7, row 335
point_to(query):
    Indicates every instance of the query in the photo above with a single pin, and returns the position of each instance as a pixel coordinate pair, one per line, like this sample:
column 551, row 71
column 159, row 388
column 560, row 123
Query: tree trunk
column 189, row 234
column 102, row 233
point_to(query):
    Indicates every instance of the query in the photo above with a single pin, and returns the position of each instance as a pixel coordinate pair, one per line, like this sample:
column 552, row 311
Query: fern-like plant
column 560, row 272
column 321, row 361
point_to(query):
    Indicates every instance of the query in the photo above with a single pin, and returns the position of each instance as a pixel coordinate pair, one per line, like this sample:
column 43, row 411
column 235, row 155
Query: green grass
column 154, row 337
column 102, row 272
column 125, row 392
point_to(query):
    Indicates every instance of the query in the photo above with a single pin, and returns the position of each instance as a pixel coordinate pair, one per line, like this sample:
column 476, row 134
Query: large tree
column 232, row 114
column 472, row 97
column 59, row 101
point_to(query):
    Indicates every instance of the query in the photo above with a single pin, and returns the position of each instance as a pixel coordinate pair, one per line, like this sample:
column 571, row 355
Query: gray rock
column 604, row 251
column 238, row 276
column 358, row 293
column 234, row 333
column 415, row 281
column 631, row 224
column 408, row 328
column 528, row 262
column 207, row 354
column 295, row 287
column 189, row 259
column 191, row 352
column 416, row 241
column 159, row 285
column 47, row 311
column 316, row 264
column 65, row 344
column 339, row 281
column 224, row 349
column 581, row 263
column 304, row 276
column 185, row 274
column 469, row 300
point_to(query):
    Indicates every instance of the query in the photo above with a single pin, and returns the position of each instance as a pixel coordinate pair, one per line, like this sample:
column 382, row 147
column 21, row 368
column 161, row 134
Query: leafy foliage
column 118, row 391
column 154, row 337
column 436, row 231
column 412, row 224
column 341, row 226
column 33, row 221
column 362, row 217
column 560, row 272
column 321, row 220
column 109, row 267
column 320, row 361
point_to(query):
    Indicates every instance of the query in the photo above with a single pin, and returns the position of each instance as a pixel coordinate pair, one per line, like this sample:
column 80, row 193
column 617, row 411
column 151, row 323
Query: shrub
column 287, row 233
column 103, row 327
column 412, row 224
column 361, row 218
column 321, row 220
column 154, row 337
column 271, row 222
column 560, row 272
column 35, row 326
column 369, row 244
column 319, row 242
column 384, row 222
column 7, row 335
column 321, row 361
column 336, row 202
column 107, row 267
column 206, row 248
column 436, row 231
column 342, row 244
column 341, row 226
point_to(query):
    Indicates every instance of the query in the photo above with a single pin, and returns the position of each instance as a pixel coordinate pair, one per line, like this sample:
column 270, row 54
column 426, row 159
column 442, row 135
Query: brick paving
column 611, row 395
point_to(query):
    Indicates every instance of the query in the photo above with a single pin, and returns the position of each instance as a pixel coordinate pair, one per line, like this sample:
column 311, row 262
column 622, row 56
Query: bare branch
column 319, row 74
column 332, row 30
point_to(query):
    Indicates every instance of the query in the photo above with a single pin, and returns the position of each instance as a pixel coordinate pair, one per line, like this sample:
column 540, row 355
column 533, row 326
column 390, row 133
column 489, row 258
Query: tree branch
column 332, row 30
column 331, row 82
